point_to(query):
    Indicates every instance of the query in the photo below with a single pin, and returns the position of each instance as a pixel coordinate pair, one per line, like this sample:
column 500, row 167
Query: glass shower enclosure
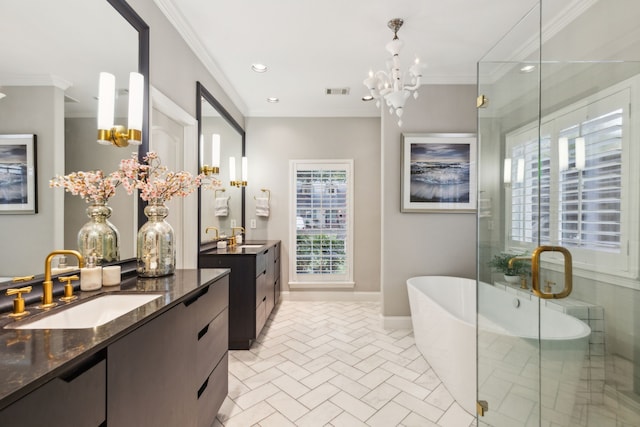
column 559, row 199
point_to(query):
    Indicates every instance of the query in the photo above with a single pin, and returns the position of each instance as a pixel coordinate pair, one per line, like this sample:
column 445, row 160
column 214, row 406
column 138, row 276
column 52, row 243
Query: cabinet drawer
column 261, row 317
column 261, row 289
column 276, row 272
column 212, row 393
column 209, row 302
column 78, row 400
column 261, row 263
column 213, row 341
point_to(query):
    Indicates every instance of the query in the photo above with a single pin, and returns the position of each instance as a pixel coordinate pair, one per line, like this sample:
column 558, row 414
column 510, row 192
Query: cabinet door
column 74, row 399
column 150, row 376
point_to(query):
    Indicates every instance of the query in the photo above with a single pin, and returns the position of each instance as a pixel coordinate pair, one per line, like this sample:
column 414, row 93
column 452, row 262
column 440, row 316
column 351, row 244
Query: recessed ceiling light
column 259, row 68
column 273, row 100
column 2, row 95
column 367, row 98
column 527, row 68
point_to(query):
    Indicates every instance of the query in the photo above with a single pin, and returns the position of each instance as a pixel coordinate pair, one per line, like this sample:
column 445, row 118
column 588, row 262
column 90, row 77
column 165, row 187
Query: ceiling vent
column 337, row 91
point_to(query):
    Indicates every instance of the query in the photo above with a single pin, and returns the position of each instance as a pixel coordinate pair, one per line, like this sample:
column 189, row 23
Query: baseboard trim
column 396, row 322
column 330, row 296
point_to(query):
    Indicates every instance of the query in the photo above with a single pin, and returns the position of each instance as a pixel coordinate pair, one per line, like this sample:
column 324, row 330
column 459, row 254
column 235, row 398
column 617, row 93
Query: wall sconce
column 118, row 135
column 232, row 172
column 214, row 168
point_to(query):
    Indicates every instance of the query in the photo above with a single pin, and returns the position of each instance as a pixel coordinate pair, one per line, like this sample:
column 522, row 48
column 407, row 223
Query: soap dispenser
column 90, row 275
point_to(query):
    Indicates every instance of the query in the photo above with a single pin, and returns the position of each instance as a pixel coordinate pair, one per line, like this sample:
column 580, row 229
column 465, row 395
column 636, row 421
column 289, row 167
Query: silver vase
column 99, row 237
column 156, row 250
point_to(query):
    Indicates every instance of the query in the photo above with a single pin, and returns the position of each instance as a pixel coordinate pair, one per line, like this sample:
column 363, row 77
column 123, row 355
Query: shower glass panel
column 559, row 167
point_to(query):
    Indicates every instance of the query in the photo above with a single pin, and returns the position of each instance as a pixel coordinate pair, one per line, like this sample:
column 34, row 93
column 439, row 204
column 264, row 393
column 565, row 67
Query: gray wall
column 415, row 244
column 35, row 110
column 272, row 142
column 174, row 67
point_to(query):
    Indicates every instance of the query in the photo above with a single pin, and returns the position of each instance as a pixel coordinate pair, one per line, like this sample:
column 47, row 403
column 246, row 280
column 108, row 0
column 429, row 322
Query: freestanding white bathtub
column 443, row 313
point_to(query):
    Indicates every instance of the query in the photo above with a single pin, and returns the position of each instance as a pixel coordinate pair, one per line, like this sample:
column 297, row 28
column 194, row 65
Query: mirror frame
column 202, row 92
column 127, row 12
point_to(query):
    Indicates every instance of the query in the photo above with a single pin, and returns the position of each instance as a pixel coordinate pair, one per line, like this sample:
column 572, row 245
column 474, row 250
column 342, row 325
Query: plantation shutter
column 322, row 221
column 591, row 194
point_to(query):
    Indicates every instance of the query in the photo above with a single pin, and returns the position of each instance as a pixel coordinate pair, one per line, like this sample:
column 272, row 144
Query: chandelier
column 394, row 85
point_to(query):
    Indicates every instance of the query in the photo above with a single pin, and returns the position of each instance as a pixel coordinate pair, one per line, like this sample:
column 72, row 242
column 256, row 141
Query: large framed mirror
column 214, row 122
column 51, row 60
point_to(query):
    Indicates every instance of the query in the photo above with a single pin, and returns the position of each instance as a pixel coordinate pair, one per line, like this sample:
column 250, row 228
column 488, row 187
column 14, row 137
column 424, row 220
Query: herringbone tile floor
column 332, row 364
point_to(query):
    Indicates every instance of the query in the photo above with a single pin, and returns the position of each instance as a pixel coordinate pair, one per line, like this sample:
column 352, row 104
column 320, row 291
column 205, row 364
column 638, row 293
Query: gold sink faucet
column 47, row 285
column 237, row 228
column 206, row 231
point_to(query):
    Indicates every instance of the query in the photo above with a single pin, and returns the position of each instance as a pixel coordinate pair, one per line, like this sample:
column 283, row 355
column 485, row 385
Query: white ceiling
column 313, row 45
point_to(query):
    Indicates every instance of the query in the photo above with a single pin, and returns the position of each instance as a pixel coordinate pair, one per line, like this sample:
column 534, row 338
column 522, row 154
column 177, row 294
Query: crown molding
column 176, row 19
column 34, row 80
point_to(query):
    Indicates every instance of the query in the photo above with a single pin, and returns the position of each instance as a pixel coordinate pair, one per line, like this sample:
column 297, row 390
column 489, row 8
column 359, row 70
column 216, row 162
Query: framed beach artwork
column 438, row 172
column 18, row 189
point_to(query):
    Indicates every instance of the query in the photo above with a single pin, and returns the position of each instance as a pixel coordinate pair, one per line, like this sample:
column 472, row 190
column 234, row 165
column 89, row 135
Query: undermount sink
column 88, row 314
column 249, row 246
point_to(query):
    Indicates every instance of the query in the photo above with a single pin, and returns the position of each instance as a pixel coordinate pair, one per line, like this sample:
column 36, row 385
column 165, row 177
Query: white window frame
column 325, row 281
column 617, row 268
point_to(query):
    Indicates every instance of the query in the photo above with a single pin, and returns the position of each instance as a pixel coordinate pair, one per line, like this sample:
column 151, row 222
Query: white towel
column 222, row 206
column 262, row 206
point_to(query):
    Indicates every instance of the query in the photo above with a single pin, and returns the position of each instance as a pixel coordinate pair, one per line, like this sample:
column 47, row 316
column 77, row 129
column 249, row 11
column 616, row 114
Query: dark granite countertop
column 31, row 357
column 255, row 247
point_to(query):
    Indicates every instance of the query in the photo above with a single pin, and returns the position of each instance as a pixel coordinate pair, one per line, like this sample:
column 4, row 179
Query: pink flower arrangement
column 154, row 181
column 93, row 186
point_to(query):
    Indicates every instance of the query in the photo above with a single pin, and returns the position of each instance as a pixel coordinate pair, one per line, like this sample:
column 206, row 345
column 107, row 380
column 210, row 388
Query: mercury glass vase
column 156, row 250
column 99, row 237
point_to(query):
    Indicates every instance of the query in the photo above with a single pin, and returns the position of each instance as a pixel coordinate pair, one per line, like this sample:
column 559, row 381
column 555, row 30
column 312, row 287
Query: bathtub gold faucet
column 535, row 271
column 47, row 284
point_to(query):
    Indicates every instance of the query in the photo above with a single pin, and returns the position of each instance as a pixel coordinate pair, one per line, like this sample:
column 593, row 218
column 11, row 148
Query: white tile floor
column 332, row 364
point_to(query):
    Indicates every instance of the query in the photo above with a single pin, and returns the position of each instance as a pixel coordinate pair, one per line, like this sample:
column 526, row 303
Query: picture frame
column 438, row 172
column 18, row 174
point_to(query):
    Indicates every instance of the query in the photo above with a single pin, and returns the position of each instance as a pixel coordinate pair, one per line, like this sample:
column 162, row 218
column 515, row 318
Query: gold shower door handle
column 535, row 272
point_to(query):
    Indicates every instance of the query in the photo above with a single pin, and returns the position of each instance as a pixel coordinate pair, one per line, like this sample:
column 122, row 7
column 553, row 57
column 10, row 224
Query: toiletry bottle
column 90, row 275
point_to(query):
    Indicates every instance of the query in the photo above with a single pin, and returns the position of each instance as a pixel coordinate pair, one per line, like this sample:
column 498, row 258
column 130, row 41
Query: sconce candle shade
column 232, row 169
column 245, row 170
column 215, row 150
column 136, row 96
column 507, row 171
column 563, row 154
column 520, row 171
column 106, row 104
column 580, row 153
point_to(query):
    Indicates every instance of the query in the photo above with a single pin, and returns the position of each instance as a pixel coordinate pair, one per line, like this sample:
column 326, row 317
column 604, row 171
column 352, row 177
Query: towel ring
column 215, row 193
column 264, row 190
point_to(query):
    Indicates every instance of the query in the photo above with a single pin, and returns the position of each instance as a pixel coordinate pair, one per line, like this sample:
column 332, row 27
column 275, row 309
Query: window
column 321, row 225
column 574, row 189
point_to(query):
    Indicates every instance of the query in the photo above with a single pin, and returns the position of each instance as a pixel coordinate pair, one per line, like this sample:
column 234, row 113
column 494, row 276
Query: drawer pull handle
column 195, row 298
column 264, row 299
column 203, row 332
column 203, row 388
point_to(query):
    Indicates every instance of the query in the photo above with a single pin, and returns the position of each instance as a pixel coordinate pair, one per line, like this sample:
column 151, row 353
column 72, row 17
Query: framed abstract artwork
column 18, row 174
column 438, row 172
